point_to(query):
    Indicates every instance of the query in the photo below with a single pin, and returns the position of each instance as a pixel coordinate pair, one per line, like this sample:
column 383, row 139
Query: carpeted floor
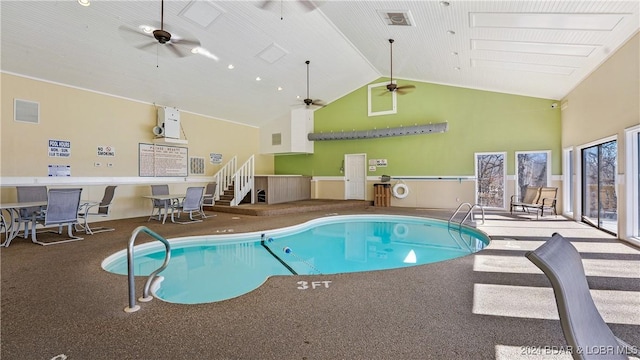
column 58, row 303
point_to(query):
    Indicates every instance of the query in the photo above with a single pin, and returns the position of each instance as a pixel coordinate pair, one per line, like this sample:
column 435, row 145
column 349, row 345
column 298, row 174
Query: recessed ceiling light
column 454, row 53
column 456, row 68
column 279, row 88
column 445, row 3
column 230, row 67
column 298, row 97
column 84, row 2
column 146, row 28
column 451, row 32
column 258, row 78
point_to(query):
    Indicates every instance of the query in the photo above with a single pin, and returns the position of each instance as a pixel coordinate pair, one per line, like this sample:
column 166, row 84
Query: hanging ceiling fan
column 308, row 101
column 179, row 46
column 307, row 4
column 391, row 86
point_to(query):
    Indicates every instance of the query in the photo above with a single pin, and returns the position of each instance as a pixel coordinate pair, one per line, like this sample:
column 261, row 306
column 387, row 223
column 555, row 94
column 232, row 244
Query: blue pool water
column 218, row 267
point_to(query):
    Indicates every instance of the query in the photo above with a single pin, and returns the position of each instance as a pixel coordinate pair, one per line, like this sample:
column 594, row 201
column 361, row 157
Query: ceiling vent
column 272, row 53
column 202, row 13
column 396, row 17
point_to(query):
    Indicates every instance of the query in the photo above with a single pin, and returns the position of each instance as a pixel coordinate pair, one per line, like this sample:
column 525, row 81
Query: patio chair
column 97, row 209
column 586, row 333
column 192, row 203
column 209, row 198
column 29, row 194
column 62, row 209
column 530, row 197
column 159, row 205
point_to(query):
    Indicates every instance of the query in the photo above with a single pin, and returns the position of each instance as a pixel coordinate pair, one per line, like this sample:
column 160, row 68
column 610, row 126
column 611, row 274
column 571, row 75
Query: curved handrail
column 466, row 216
column 130, row 270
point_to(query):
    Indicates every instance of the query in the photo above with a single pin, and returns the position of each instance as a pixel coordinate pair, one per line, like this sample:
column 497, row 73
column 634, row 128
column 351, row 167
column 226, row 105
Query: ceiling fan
column 160, row 38
column 308, row 101
column 307, row 4
column 391, row 86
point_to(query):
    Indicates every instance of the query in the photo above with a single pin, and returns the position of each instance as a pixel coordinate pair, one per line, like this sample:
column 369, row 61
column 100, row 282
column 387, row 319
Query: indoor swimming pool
column 212, row 268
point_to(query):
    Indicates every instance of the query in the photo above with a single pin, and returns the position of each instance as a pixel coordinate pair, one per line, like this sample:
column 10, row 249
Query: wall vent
column 276, row 139
column 26, row 111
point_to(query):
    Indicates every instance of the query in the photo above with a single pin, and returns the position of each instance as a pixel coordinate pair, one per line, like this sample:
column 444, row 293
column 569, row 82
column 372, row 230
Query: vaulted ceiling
column 535, row 48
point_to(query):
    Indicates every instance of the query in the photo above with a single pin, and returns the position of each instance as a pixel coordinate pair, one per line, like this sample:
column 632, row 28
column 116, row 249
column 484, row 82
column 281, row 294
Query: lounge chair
column 29, row 194
column 192, row 203
column 546, row 200
column 160, row 205
column 62, row 209
column 531, row 195
column 209, row 198
column 586, row 333
column 97, row 209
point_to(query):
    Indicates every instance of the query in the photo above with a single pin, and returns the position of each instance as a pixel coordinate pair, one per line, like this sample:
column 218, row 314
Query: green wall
column 479, row 121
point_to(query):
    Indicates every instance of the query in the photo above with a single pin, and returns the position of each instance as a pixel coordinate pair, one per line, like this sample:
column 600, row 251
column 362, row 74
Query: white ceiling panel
column 533, row 48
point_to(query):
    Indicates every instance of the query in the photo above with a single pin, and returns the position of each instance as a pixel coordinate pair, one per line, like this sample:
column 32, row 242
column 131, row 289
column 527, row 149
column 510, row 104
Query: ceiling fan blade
column 308, row 4
column 174, row 49
column 189, row 42
column 403, row 90
column 266, row 4
column 146, row 46
column 318, row 103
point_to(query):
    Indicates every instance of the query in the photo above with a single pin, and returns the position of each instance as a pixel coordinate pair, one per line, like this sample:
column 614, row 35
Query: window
column 568, row 183
column 490, row 179
column 633, row 182
column 532, row 169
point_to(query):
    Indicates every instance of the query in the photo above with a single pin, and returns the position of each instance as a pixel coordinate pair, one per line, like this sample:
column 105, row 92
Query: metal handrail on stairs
column 466, row 216
column 130, row 268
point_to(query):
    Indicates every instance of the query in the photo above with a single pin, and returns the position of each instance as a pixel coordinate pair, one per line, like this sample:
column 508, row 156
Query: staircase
column 226, row 198
column 235, row 184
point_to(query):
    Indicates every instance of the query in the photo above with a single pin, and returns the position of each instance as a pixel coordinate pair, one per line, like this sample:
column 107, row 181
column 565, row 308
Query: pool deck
column 495, row 304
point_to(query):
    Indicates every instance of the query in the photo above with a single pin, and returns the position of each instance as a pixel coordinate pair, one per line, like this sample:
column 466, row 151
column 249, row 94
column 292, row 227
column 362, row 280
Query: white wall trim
column 74, row 180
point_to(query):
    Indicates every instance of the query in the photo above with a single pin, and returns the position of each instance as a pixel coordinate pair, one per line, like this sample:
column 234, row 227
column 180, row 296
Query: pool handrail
column 130, row 269
column 469, row 212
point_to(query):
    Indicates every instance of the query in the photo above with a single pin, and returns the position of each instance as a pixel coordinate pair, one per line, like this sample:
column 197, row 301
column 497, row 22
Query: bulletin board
column 162, row 160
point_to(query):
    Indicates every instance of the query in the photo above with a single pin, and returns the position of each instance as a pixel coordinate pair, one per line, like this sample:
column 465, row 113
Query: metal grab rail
column 145, row 292
column 466, row 216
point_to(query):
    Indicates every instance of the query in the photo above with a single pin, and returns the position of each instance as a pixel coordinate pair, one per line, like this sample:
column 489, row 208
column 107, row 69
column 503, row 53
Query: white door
column 355, row 175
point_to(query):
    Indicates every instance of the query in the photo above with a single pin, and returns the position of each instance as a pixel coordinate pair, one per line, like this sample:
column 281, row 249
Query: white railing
column 243, row 180
column 224, row 176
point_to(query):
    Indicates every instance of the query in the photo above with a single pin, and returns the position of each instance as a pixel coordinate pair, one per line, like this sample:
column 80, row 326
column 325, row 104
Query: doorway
column 355, row 173
column 599, row 197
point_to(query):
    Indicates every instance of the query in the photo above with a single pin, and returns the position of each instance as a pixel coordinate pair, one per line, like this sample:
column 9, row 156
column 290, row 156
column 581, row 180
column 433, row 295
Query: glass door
column 599, row 199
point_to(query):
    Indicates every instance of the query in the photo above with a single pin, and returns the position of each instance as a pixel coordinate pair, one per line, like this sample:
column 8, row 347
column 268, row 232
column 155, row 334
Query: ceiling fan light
column 146, row 29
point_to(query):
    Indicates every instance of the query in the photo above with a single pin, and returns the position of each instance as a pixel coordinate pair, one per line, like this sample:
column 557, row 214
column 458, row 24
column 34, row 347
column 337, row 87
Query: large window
column 532, row 169
column 599, row 198
column 490, row 179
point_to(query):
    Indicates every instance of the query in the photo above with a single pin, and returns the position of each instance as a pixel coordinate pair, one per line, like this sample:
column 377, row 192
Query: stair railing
column 243, row 180
column 224, row 176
